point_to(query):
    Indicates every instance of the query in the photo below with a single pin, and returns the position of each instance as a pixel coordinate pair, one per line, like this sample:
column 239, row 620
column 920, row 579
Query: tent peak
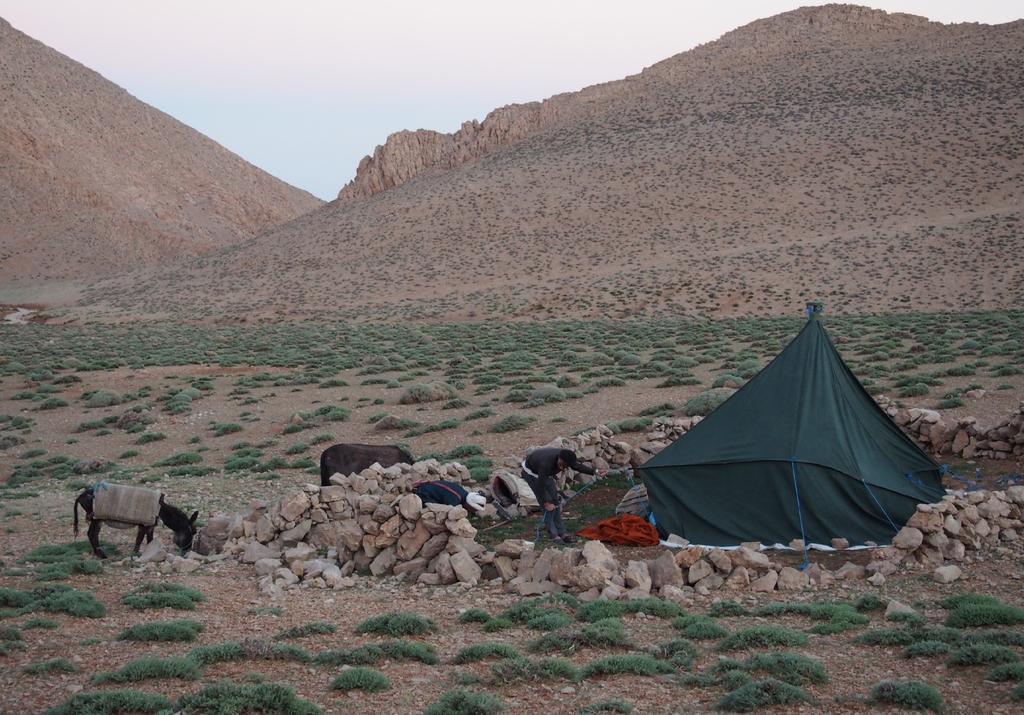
column 814, row 309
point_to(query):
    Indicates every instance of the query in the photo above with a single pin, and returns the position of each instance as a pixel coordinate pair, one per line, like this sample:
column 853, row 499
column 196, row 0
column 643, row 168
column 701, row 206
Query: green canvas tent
column 800, row 451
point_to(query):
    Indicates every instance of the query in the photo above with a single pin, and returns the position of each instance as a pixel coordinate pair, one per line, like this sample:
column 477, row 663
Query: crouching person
column 540, row 469
column 450, row 493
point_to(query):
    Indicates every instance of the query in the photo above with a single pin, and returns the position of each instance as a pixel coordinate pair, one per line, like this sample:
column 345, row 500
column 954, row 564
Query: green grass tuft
column 149, row 668
column 112, row 702
column 366, row 679
column 162, row 631
column 600, row 609
column 761, row 694
column 474, row 615
column 792, row 668
column 309, row 629
column 926, row 649
column 909, row 695
column 728, row 608
column 982, row 654
column 512, row 670
column 226, row 698
column 635, row 664
column 163, row 595
column 397, row 624
column 56, row 665
column 974, row 615
column 217, row 653
column 763, row 637
column 1007, row 671
column 465, row 702
column 482, row 651
column 699, row 628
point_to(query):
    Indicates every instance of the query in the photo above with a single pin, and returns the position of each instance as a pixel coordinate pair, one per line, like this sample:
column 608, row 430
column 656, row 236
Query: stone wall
column 962, row 437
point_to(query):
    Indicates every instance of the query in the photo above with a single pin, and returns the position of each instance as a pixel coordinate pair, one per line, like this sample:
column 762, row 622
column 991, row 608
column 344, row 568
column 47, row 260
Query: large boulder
column 465, row 568
column 664, row 571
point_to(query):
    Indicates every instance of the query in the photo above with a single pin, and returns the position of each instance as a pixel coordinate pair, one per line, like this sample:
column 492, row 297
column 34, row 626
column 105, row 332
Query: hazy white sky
column 305, row 89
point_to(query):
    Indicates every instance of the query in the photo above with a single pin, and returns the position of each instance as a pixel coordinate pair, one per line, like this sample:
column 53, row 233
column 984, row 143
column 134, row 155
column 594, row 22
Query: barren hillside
column 870, row 159
column 94, row 181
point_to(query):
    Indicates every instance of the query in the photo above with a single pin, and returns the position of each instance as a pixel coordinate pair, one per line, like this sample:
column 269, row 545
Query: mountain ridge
column 97, row 181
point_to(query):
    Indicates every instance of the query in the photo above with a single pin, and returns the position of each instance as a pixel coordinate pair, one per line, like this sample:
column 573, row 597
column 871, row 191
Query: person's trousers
column 553, row 522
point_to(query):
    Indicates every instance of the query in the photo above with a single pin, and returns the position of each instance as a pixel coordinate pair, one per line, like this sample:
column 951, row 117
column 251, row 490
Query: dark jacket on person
column 441, row 492
column 540, row 470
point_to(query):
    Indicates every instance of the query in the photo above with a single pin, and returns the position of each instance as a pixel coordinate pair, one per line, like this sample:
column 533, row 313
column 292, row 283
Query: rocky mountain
column 869, row 159
column 93, row 181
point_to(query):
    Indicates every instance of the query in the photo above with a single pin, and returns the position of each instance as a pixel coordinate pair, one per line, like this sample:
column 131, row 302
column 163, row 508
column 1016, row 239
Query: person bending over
column 450, row 493
column 540, row 469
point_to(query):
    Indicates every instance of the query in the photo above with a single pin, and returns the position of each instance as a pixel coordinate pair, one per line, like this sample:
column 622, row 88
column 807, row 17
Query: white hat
column 476, row 500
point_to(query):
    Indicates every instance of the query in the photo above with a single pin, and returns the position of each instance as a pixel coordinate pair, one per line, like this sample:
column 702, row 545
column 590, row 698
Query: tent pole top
column 814, row 309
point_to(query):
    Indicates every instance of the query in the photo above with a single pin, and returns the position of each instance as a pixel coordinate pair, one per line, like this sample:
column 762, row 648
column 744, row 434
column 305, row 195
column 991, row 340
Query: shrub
column 511, row 423
column 226, row 698
column 397, row 624
column 680, row 652
column 1007, row 671
column 163, row 595
column 499, row 623
column 763, row 637
column 69, row 601
column 101, row 398
column 180, row 459
column 465, row 702
column 112, row 701
column 10, row 633
column 707, row 401
column 221, row 429
column 926, row 649
column 218, row 653
column 982, row 654
column 1014, row 638
column 150, row 668
column 869, row 602
column 910, row 695
column 162, row 631
column 52, row 403
column 635, row 664
column 762, row 694
column 517, row 669
column 599, row 610
column 791, row 668
column 429, row 392
column 600, row 634
column 969, row 599
column 47, row 623
column 699, row 628
column 549, row 621
column 482, row 651
column 55, row 665
column 147, row 437
column 372, row 681
column 309, row 629
column 474, row 615
column 727, row 608
column 654, row 606
column 972, row 615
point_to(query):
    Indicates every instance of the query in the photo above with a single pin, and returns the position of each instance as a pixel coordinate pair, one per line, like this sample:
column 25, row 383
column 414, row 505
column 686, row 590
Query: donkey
column 184, row 527
column 351, row 458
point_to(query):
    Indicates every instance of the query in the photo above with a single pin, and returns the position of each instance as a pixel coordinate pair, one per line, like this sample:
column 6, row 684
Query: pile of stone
column 963, row 436
column 602, row 447
column 370, row 521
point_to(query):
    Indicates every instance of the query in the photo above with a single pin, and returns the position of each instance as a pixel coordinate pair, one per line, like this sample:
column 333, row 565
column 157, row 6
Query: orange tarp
column 622, row 529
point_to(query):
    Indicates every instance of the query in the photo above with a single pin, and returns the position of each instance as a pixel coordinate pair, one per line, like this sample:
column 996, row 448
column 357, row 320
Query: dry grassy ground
column 252, row 425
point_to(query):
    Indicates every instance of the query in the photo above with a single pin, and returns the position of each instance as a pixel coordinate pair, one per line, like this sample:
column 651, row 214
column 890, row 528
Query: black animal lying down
column 351, row 458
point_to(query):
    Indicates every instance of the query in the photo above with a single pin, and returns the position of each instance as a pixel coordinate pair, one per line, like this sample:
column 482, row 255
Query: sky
column 305, row 89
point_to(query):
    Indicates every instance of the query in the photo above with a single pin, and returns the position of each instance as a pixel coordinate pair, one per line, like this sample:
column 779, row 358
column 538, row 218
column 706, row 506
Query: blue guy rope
column 880, row 507
column 799, row 513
